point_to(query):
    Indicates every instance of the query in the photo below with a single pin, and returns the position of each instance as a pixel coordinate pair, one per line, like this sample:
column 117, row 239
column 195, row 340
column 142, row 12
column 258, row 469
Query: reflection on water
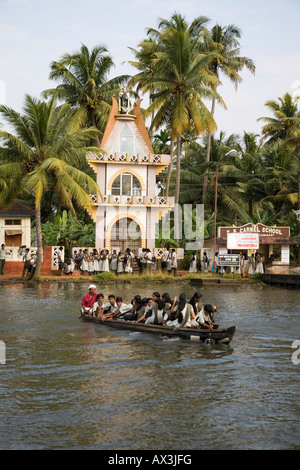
column 74, row 385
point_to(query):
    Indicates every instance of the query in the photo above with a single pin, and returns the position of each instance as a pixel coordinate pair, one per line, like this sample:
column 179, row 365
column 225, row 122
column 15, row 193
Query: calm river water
column 67, row 384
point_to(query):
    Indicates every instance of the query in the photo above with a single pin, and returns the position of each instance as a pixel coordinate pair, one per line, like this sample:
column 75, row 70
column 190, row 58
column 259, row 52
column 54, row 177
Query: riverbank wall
column 286, row 280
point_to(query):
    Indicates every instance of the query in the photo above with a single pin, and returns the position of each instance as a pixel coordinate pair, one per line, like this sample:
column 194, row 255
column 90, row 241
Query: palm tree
column 180, row 81
column 161, row 141
column 227, row 60
column 84, row 83
column 281, row 169
column 285, row 123
column 247, row 186
column 44, row 148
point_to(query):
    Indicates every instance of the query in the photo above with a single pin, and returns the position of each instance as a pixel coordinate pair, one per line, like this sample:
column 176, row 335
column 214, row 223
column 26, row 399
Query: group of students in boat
column 158, row 309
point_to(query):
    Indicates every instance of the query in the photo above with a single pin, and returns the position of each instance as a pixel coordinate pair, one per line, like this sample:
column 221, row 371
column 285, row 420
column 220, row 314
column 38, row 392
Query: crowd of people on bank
column 100, row 261
column 254, row 264
column 158, row 309
column 94, row 262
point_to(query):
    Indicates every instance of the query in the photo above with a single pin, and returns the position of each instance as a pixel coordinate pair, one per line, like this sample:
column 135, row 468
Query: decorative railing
column 14, row 253
column 130, row 158
column 133, row 200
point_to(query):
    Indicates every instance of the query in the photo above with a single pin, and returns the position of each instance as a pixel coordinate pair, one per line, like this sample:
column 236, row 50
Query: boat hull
column 218, row 336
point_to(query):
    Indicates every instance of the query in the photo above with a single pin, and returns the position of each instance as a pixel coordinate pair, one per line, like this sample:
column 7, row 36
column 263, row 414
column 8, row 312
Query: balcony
column 129, row 158
column 154, row 201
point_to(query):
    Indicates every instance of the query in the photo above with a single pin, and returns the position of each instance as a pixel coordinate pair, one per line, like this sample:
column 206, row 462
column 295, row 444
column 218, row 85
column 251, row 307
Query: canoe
column 218, row 336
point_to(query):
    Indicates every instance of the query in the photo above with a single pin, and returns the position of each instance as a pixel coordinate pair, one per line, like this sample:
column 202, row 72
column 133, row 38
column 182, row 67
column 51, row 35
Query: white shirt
column 59, row 255
column 203, row 317
column 174, row 260
column 165, row 255
column 148, row 257
column 26, row 257
column 2, row 254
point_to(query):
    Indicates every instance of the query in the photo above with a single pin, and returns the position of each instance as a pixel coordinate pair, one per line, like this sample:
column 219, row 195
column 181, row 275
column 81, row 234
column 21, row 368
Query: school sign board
column 242, row 241
column 267, row 234
column 229, row 260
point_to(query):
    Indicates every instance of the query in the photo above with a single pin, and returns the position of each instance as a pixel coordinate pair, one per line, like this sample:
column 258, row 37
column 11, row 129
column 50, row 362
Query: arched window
column 126, row 184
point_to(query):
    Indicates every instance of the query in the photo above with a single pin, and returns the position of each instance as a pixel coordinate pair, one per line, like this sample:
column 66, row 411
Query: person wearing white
column 241, row 264
column 169, row 263
column 98, row 305
column 69, row 266
column 129, row 262
column 193, row 265
column 205, row 262
column 149, row 261
column 26, row 258
column 165, row 259
column 156, row 310
column 60, row 260
column 174, row 262
column 101, row 261
column 91, row 267
column 96, row 261
column 122, row 308
column 260, row 267
column 33, row 261
column 182, row 314
column 120, row 268
column 114, row 261
column 105, row 266
column 143, row 260
column 251, row 265
column 85, row 265
column 205, row 317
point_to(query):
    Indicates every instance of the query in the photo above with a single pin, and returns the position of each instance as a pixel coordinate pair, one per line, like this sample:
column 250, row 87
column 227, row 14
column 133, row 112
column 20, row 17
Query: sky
column 33, row 33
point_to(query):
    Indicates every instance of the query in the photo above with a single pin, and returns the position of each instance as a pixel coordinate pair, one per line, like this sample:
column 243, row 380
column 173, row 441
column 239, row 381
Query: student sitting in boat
column 142, row 312
column 182, row 314
column 88, row 300
column 196, row 302
column 206, row 319
column 155, row 312
column 98, row 305
column 136, row 305
column 122, row 308
column 109, row 309
column 167, row 307
column 105, row 311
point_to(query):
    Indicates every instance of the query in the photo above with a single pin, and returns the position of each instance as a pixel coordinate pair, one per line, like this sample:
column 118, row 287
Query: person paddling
column 88, row 300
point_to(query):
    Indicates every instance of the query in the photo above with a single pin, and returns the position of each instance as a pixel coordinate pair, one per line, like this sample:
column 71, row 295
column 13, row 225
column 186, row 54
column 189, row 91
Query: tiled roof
column 17, row 208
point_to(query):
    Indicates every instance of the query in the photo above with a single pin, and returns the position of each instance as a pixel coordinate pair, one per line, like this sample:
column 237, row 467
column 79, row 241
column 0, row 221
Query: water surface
column 68, row 384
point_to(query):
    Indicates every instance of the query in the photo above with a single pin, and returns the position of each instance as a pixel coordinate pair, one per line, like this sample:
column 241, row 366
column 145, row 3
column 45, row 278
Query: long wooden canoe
column 220, row 336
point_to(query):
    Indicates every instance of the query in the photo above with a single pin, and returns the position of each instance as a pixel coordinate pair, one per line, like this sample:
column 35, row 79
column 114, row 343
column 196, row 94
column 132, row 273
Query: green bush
column 107, row 276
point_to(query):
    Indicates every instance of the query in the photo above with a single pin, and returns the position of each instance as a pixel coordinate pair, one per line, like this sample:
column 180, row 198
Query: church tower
column 126, row 170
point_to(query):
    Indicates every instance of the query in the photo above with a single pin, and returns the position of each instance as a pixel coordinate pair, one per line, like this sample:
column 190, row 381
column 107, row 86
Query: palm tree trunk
column 93, row 121
column 177, row 218
column 38, row 227
column 170, row 168
column 177, row 187
column 207, row 159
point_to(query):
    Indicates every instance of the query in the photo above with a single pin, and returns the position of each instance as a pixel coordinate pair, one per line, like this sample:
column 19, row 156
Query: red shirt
column 88, row 301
